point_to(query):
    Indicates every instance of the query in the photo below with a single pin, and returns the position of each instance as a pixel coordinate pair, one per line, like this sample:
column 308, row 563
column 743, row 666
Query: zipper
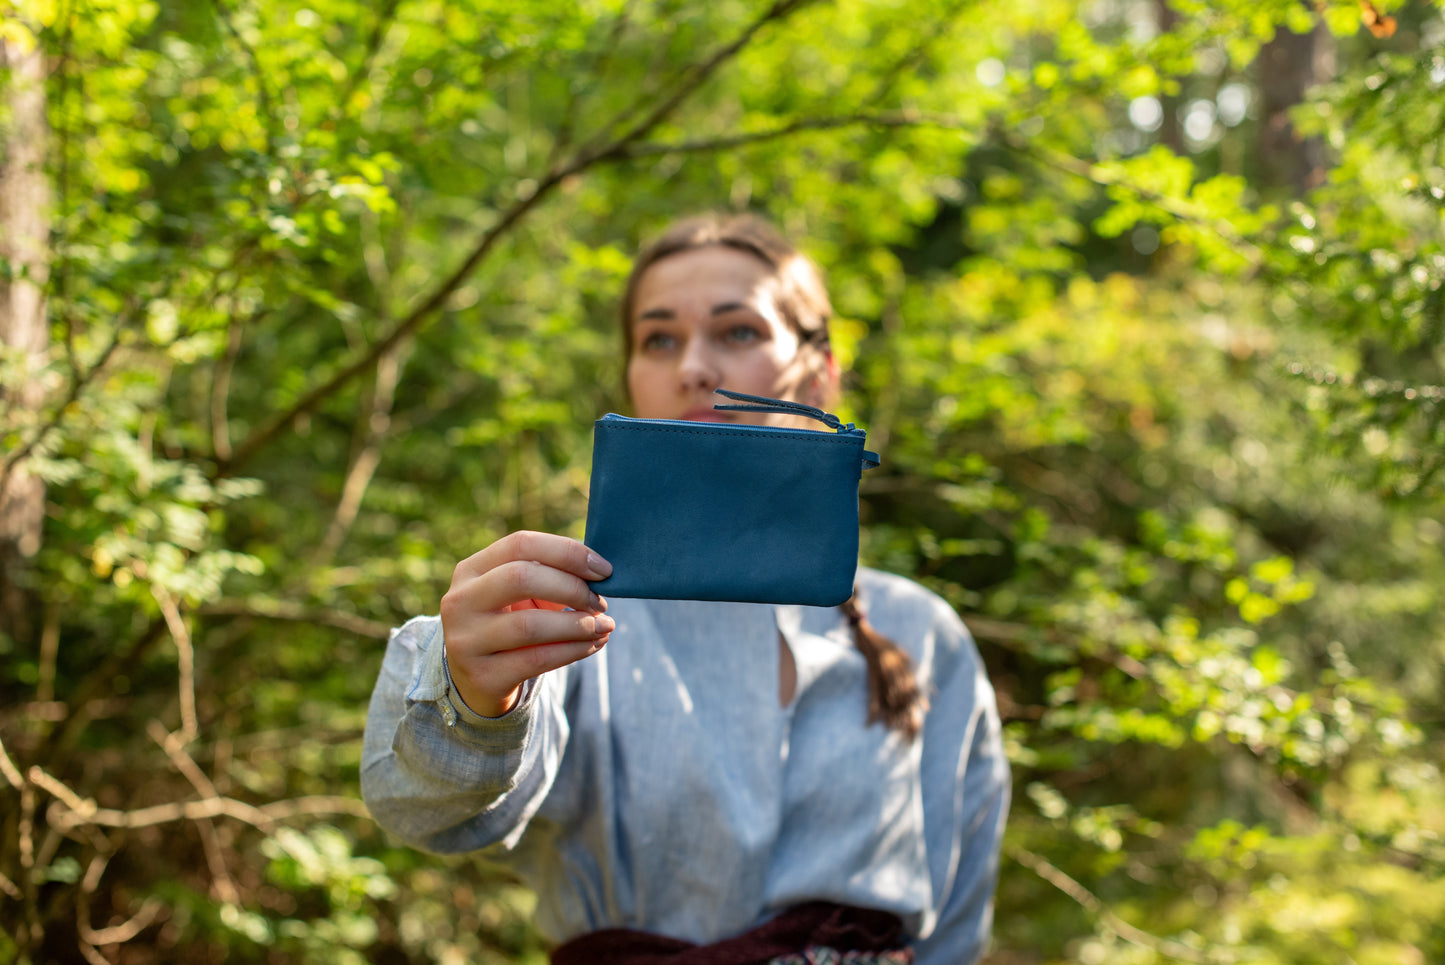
column 761, row 403
column 764, row 404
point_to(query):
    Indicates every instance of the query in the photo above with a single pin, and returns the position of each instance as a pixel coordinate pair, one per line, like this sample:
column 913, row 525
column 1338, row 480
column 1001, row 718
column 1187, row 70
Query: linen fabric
column 659, row 786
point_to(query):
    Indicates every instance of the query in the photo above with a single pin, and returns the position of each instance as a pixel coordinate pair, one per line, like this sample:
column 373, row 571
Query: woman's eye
column 657, row 342
column 741, row 335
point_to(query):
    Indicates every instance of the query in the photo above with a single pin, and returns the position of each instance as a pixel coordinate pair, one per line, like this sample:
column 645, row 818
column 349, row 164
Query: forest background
column 302, row 302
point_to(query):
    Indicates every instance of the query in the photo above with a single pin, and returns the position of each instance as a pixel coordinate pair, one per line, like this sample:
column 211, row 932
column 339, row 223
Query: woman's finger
column 490, row 684
column 501, row 632
column 558, row 552
column 525, row 583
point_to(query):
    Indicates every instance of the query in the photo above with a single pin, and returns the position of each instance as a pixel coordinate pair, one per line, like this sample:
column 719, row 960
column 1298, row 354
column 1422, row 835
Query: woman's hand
column 505, row 618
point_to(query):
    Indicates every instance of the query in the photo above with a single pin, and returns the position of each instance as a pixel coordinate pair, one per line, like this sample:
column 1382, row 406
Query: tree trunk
column 24, row 335
column 1171, row 132
column 1289, row 65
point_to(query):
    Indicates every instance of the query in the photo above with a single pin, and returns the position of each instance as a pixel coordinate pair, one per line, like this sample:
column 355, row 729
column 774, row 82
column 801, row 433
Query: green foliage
column 332, row 304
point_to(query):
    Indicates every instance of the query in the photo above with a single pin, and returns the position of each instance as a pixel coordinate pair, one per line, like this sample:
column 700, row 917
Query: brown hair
column 894, row 696
column 802, row 299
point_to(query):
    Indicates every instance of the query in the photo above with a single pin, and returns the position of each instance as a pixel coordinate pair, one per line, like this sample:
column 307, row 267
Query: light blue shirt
column 659, row 785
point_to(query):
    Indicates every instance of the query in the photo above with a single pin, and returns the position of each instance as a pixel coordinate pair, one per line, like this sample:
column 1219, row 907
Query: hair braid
column 894, row 696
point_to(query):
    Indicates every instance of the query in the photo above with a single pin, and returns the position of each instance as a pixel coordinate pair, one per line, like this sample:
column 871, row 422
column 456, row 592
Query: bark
column 1289, row 65
column 24, row 335
column 1171, row 132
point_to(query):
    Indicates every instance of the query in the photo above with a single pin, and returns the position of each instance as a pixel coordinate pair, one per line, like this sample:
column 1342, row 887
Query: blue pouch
column 715, row 511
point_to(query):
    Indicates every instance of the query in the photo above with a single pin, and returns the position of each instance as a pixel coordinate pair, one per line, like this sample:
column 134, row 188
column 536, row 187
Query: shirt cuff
column 460, row 710
column 432, row 684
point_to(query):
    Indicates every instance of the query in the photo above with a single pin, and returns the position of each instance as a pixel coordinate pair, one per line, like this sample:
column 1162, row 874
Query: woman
column 707, row 781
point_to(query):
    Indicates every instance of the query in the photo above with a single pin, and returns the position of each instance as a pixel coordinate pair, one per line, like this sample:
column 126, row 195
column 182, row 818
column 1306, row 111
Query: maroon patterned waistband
column 815, row 933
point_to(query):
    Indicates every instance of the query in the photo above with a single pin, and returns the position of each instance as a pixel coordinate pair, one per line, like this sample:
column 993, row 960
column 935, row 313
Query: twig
column 1095, row 906
column 92, row 955
column 150, row 909
column 29, row 884
column 185, row 661
column 905, row 118
column 593, row 72
column 59, row 273
column 263, row 818
column 77, row 385
column 695, row 76
column 269, row 609
column 8, row 769
column 27, row 829
column 49, row 651
column 221, row 392
column 911, row 57
column 1172, row 206
column 85, row 698
column 215, row 859
column 9, row 888
column 57, row 788
column 263, row 93
column 384, row 18
column 429, row 306
column 374, row 429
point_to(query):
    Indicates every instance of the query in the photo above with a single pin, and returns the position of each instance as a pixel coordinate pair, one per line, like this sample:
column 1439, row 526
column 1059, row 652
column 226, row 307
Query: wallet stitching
column 822, row 438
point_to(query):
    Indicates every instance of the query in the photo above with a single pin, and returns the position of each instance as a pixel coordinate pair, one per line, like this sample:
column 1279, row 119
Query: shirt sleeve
column 966, row 796
column 439, row 776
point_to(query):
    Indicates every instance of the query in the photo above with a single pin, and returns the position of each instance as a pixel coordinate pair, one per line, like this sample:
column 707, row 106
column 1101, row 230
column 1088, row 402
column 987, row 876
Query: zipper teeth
column 725, row 425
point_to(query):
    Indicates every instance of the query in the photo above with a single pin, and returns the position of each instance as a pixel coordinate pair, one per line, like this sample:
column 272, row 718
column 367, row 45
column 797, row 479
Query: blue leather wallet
column 716, row 511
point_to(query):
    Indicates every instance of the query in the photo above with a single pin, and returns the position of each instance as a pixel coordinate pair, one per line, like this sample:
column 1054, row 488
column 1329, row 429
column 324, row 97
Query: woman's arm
column 466, row 727
column 438, row 775
column 966, row 797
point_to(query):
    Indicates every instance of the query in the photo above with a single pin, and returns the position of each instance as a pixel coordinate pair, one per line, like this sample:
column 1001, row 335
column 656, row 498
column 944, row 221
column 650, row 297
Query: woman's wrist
column 479, row 703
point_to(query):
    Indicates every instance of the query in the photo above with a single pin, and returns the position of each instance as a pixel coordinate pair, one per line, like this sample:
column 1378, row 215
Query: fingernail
column 599, row 604
column 601, row 625
column 600, row 568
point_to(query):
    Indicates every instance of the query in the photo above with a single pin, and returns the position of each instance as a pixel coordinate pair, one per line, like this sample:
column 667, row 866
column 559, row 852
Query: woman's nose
column 697, row 368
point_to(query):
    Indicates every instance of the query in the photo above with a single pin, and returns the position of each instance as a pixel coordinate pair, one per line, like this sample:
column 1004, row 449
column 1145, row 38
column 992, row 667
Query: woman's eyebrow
column 666, row 314
column 726, row 307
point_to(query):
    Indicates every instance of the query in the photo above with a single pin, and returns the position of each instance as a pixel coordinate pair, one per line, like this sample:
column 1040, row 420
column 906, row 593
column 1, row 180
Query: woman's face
column 708, row 318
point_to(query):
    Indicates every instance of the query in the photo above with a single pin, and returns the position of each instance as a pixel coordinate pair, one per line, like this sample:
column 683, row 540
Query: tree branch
column 263, row 93
column 1096, row 907
column 173, row 745
column 92, row 937
column 1172, row 206
column 221, row 392
column 269, row 609
column 908, row 118
column 263, row 818
column 86, row 696
column 419, row 316
column 374, row 429
column 384, row 17
column 905, row 118
column 77, row 386
column 185, row 659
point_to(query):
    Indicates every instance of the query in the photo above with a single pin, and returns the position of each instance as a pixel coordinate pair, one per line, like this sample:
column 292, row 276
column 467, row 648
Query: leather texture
column 715, row 511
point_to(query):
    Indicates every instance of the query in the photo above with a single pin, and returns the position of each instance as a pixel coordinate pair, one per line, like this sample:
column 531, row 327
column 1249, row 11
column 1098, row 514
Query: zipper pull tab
column 762, row 403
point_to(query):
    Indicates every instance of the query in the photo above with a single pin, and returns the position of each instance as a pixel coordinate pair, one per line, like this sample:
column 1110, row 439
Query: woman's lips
column 706, row 414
